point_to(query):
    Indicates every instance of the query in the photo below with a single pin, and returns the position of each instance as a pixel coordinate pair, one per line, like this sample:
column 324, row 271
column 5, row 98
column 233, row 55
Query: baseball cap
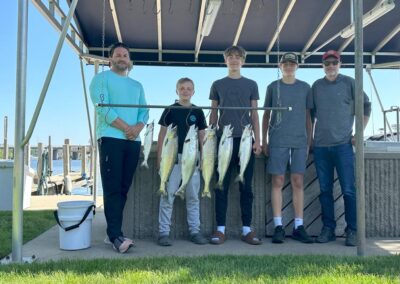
column 289, row 56
column 331, row 53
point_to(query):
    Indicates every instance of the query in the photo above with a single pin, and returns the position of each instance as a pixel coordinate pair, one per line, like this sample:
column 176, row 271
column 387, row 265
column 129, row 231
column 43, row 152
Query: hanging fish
column 209, row 153
column 148, row 141
column 169, row 154
column 189, row 159
column 224, row 154
column 245, row 148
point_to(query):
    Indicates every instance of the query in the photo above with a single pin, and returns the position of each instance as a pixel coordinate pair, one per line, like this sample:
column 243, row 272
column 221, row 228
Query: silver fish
column 189, row 159
column 224, row 154
column 148, row 141
column 245, row 148
column 208, row 156
column 169, row 155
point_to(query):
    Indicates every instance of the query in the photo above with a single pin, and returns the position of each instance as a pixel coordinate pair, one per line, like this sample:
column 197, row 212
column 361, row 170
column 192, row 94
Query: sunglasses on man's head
column 334, row 62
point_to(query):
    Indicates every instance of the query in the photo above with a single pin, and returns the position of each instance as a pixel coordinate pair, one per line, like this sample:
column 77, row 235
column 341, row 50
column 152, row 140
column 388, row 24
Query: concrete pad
column 46, row 247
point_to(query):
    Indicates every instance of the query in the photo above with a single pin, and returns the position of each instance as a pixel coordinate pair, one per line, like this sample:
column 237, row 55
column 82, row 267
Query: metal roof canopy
column 169, row 32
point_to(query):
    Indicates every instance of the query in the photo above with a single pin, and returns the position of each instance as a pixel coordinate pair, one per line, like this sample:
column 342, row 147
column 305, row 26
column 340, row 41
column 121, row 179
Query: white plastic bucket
column 75, row 229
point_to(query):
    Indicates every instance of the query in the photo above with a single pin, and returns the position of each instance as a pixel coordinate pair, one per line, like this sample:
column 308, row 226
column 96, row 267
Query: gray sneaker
column 351, row 238
column 164, row 241
column 327, row 235
column 198, row 239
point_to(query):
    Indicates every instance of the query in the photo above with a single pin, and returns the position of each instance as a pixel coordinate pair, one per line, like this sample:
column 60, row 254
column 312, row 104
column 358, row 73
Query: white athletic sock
column 245, row 230
column 277, row 221
column 221, row 229
column 298, row 222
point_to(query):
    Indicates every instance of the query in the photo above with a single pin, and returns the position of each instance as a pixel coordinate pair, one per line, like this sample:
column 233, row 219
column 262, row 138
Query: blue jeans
column 326, row 160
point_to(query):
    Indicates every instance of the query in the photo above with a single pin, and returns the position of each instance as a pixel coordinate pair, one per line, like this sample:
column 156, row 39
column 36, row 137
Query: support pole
column 359, row 111
column 20, row 102
column 94, row 148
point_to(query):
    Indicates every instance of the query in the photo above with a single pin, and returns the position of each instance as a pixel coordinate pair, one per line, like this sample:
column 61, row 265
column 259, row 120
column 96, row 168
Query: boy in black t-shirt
column 183, row 119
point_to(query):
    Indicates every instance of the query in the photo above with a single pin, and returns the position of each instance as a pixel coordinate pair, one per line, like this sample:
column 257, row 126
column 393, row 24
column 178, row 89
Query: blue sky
column 63, row 114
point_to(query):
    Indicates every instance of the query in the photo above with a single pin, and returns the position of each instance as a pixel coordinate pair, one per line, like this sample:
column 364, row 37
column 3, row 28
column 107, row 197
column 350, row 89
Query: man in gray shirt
column 289, row 137
column 333, row 99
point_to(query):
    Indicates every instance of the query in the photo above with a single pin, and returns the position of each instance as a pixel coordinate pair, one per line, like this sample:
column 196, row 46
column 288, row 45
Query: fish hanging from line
column 224, row 154
column 148, row 141
column 189, row 159
column 245, row 148
column 169, row 155
column 208, row 156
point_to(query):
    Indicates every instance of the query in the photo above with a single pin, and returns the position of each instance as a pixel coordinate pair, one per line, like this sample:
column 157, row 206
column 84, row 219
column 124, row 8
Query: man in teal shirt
column 117, row 133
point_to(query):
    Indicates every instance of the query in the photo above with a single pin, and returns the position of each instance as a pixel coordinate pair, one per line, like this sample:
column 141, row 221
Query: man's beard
column 120, row 67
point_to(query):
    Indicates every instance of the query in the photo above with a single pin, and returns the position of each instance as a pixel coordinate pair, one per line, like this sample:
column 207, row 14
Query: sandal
column 251, row 239
column 217, row 238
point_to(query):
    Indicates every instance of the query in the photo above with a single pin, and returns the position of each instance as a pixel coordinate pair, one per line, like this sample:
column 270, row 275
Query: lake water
column 58, row 169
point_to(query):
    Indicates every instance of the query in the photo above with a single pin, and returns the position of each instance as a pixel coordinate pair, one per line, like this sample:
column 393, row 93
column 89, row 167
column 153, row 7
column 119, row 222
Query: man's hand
column 353, row 140
column 132, row 132
column 265, row 149
column 257, row 148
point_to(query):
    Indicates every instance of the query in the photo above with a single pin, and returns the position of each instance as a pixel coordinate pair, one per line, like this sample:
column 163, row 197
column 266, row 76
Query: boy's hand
column 257, row 148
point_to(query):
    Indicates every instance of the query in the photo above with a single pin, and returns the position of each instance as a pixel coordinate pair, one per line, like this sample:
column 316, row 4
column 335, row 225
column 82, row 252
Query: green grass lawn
column 210, row 269
column 35, row 223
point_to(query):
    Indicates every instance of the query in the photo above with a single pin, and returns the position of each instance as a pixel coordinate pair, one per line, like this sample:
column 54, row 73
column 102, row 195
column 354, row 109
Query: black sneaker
column 164, row 241
column 327, row 235
column 198, row 239
column 351, row 238
column 301, row 235
column 279, row 235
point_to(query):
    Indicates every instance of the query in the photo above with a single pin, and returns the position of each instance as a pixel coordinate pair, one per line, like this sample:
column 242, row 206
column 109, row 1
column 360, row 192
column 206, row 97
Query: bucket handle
column 76, row 225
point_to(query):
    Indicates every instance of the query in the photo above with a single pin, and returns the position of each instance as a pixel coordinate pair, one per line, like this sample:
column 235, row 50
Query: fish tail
column 144, row 164
column 206, row 191
column 162, row 191
column 239, row 178
column 180, row 192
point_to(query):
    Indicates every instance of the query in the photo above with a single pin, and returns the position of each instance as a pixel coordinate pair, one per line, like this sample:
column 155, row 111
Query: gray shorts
column 292, row 160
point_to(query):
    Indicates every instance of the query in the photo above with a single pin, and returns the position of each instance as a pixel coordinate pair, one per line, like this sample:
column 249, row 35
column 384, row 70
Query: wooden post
column 92, row 167
column 40, row 162
column 68, row 161
column 28, row 155
column 83, row 161
column 50, row 156
column 5, row 145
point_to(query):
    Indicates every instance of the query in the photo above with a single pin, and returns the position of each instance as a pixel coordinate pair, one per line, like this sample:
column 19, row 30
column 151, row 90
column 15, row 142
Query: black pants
column 118, row 162
column 246, row 193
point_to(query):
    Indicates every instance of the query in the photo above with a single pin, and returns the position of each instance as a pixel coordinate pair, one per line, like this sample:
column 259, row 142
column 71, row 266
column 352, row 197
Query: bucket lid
column 74, row 218
column 75, row 204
